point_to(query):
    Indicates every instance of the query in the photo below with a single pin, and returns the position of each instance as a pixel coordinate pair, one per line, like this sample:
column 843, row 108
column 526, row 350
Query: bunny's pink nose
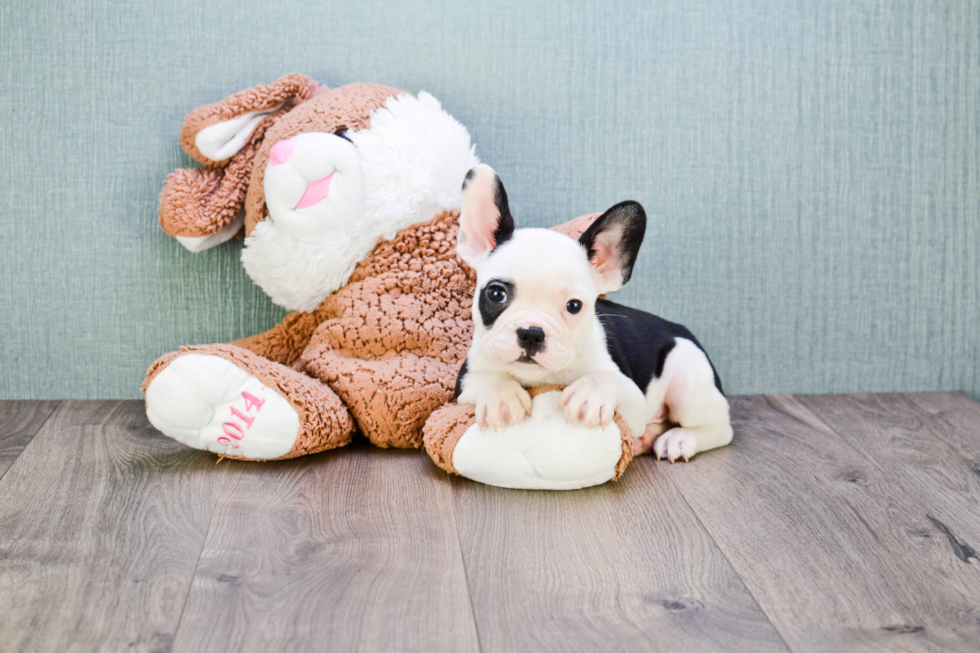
column 281, row 152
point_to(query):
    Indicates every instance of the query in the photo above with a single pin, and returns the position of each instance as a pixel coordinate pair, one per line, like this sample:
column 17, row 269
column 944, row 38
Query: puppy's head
column 536, row 289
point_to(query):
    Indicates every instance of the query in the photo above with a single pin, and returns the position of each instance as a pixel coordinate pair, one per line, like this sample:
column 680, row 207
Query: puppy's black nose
column 531, row 339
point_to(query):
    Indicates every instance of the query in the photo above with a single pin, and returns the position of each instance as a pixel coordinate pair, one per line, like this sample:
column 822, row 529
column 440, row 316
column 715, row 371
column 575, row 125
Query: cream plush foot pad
column 207, row 402
column 543, row 452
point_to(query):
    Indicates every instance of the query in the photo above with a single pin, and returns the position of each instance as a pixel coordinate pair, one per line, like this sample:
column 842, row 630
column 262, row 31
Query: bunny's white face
column 313, row 188
column 318, row 226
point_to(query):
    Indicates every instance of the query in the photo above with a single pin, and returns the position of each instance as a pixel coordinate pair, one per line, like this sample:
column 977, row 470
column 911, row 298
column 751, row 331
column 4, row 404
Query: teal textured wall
column 811, row 169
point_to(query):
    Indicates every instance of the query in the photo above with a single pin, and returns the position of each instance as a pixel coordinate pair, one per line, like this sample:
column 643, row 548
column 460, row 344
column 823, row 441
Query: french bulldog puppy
column 540, row 318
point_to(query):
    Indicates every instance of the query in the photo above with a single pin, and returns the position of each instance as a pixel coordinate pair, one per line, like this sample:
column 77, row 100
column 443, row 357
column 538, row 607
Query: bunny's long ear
column 215, row 133
column 201, row 207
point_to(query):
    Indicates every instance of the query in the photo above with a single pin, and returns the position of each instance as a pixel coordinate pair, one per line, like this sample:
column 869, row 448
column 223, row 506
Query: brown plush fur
column 391, row 342
column 292, row 88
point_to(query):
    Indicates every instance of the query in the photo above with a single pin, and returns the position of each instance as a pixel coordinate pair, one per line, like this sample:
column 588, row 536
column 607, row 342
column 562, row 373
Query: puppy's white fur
column 546, row 270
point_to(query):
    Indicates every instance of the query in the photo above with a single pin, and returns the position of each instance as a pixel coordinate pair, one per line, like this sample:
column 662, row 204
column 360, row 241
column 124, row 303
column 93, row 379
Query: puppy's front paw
column 507, row 403
column 589, row 400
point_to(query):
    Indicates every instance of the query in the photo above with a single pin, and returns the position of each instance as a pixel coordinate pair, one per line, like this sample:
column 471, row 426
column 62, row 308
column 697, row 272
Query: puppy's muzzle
column 530, row 339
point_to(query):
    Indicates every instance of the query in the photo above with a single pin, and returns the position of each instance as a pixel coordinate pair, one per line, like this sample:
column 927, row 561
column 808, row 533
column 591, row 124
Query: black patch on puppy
column 489, row 311
column 632, row 219
column 459, row 381
column 505, row 227
column 662, row 358
column 639, row 342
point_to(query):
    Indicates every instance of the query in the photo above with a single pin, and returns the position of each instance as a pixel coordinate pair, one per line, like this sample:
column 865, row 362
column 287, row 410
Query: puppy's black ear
column 612, row 243
column 484, row 221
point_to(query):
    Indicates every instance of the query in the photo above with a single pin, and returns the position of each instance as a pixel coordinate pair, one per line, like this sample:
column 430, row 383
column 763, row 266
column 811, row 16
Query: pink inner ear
column 478, row 222
column 604, row 259
column 477, row 241
column 606, row 264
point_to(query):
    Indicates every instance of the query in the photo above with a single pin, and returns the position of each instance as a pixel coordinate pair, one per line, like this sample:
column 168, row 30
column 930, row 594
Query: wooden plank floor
column 832, row 523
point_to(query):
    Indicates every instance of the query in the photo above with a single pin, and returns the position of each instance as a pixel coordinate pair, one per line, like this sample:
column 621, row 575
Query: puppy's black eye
column 573, row 306
column 496, row 293
column 342, row 132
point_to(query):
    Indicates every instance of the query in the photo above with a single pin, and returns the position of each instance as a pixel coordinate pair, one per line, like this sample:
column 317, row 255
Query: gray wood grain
column 623, row 566
column 353, row 549
column 19, row 422
column 831, row 523
column 955, row 418
column 102, row 523
column 910, row 446
column 826, row 542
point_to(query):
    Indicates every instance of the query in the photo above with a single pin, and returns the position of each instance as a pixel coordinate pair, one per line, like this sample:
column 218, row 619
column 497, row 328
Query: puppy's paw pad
column 208, row 402
column 676, row 444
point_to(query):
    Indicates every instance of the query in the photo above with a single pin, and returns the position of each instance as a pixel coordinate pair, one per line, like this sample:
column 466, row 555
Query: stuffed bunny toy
column 349, row 203
column 348, row 198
